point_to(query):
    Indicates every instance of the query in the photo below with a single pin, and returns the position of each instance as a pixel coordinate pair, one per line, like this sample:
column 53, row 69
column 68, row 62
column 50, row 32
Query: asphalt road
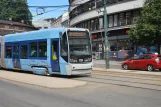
column 92, row 95
column 103, row 66
column 151, row 82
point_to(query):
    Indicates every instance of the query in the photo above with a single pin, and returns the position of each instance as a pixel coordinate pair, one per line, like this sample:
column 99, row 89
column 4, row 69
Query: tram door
column 16, row 56
column 55, row 55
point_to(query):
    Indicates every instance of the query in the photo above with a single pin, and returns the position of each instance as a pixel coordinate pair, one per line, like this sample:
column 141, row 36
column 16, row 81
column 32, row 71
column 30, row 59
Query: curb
column 42, row 81
column 137, row 72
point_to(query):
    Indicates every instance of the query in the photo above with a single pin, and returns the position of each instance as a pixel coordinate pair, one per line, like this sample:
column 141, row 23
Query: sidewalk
column 43, row 81
column 116, row 64
column 155, row 73
column 103, row 62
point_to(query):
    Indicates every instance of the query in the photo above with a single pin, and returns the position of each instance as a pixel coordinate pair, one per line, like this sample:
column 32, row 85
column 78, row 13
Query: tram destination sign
column 77, row 33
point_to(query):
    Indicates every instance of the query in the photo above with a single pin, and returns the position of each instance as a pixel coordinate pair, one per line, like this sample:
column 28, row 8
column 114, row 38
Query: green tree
column 17, row 10
column 148, row 27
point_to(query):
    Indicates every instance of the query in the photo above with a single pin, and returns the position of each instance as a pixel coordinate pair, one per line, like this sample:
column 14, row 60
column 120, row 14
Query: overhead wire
column 48, row 11
column 57, row 7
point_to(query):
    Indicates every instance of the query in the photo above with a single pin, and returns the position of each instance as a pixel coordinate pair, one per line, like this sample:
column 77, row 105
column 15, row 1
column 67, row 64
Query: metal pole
column 101, row 35
column 106, row 36
column 69, row 16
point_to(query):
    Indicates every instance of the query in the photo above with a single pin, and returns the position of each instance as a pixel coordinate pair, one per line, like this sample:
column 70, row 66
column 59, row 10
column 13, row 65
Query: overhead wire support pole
column 106, row 36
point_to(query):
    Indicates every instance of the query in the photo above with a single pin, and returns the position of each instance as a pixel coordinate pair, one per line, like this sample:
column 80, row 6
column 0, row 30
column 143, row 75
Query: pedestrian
column 125, row 53
column 139, row 51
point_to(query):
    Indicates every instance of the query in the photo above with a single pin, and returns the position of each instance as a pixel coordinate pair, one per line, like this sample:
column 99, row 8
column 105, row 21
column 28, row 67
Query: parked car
column 148, row 62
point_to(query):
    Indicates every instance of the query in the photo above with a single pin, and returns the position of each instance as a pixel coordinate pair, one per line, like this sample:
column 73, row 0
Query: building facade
column 57, row 22
column 10, row 27
column 43, row 23
column 61, row 21
column 65, row 20
column 121, row 15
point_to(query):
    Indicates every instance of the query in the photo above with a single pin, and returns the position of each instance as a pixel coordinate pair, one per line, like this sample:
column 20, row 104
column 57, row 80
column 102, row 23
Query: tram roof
column 39, row 34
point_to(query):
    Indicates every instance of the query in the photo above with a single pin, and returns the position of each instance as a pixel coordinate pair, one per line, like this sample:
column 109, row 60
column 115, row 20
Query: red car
column 148, row 62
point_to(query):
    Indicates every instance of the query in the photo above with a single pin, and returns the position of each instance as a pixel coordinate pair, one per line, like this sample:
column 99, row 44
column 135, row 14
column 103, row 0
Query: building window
column 9, row 52
column 33, row 49
column 122, row 19
column 89, row 25
column 80, row 25
column 99, row 3
column 110, row 21
column 42, row 49
column 115, row 1
column 120, row 0
column 116, row 20
column 136, row 14
column 96, row 24
column 85, row 25
column 24, row 52
column 128, row 18
column 92, row 25
column 92, row 5
column 109, row 1
column 101, row 23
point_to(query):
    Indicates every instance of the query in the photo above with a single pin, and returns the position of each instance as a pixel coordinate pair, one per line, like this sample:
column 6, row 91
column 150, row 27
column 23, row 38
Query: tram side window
column 33, row 49
column 9, row 52
column 64, row 47
column 55, row 50
column 42, row 49
column 24, row 52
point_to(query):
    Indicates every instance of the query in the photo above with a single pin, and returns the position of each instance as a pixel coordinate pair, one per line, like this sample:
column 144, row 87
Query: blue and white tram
column 64, row 51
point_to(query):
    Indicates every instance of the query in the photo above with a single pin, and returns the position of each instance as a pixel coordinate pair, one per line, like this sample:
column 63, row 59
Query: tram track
column 145, row 82
column 152, row 82
column 131, row 76
column 126, row 73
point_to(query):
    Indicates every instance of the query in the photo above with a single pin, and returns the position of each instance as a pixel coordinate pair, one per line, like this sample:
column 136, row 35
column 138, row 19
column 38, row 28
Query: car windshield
column 79, row 45
column 142, row 57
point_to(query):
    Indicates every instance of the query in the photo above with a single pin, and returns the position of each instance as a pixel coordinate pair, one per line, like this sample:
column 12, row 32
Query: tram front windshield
column 80, row 47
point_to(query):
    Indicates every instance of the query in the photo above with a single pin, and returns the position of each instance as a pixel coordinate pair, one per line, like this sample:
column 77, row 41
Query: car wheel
column 125, row 66
column 150, row 68
column 159, row 69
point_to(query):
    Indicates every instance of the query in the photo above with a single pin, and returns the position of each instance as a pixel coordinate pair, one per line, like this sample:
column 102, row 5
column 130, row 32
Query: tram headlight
column 88, row 59
column 73, row 60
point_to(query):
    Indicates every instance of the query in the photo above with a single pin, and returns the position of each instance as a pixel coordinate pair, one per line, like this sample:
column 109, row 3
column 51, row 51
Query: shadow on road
column 53, row 75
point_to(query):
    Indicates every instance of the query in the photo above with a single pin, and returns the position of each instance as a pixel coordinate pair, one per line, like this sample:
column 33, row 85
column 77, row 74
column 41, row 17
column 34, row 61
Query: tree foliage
column 16, row 10
column 148, row 28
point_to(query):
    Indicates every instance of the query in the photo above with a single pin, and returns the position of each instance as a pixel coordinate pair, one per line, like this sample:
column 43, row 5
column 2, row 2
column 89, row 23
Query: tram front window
column 80, row 47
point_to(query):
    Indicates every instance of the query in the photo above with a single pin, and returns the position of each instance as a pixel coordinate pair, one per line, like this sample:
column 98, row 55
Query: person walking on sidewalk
column 125, row 53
